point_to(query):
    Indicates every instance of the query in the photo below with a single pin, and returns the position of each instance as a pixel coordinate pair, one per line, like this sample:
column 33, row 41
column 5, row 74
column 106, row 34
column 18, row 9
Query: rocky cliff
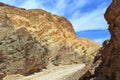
column 31, row 35
column 109, row 69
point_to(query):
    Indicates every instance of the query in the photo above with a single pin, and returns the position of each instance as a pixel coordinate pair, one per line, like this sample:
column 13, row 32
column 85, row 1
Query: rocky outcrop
column 52, row 31
column 19, row 52
column 109, row 69
column 65, row 53
column 28, row 36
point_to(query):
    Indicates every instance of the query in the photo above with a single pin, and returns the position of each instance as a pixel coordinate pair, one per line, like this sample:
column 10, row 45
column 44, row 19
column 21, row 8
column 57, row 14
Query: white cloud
column 11, row 2
column 71, row 7
column 30, row 4
column 89, row 21
column 60, row 7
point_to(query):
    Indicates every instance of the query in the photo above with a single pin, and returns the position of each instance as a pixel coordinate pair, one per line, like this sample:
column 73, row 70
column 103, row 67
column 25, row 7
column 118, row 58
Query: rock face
column 109, row 69
column 53, row 31
column 19, row 52
column 20, row 48
column 29, row 35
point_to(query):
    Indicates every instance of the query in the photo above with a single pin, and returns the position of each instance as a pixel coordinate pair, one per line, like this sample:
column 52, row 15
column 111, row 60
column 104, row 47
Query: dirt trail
column 58, row 73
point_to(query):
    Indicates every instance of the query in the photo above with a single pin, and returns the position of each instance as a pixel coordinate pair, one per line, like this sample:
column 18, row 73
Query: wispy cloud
column 12, row 2
column 90, row 20
column 60, row 7
column 29, row 4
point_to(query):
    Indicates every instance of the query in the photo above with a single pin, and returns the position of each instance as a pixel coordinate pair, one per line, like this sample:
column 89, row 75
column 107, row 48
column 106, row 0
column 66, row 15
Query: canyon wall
column 109, row 69
column 30, row 40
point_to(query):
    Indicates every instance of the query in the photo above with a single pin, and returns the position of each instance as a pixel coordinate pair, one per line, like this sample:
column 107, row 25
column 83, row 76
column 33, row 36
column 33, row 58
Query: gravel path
column 55, row 74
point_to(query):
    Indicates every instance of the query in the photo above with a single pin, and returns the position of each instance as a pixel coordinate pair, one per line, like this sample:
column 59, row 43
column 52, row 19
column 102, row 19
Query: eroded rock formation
column 109, row 69
column 20, row 53
column 28, row 36
column 53, row 31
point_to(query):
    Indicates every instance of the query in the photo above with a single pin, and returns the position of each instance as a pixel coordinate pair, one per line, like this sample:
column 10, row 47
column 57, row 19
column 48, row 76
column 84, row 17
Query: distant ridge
column 94, row 34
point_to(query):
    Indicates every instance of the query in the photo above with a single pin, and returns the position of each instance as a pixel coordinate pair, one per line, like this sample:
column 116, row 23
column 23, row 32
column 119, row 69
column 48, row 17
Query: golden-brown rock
column 51, row 30
column 54, row 32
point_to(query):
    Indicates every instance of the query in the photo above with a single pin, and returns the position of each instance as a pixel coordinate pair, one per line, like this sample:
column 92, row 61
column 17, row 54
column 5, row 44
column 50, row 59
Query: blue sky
column 95, row 35
column 85, row 15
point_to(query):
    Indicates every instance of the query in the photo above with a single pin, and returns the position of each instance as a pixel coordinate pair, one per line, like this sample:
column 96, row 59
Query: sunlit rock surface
column 36, row 38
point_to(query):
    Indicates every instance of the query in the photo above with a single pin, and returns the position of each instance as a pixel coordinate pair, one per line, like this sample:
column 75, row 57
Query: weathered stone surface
column 51, row 30
column 20, row 53
column 27, row 36
column 109, row 69
column 64, row 53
